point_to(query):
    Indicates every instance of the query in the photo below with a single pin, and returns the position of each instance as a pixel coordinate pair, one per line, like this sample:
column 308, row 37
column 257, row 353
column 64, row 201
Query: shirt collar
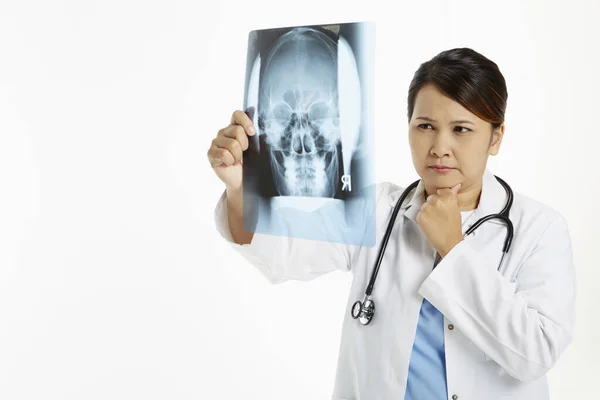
column 492, row 200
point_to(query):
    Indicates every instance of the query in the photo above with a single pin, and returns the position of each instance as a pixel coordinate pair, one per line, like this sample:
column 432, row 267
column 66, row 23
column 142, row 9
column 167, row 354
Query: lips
column 441, row 168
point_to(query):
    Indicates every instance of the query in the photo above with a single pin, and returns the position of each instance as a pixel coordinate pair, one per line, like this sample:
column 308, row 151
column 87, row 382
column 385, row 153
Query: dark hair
column 467, row 77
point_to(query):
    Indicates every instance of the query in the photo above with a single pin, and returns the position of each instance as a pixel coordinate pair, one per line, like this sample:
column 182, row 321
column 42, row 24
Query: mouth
column 440, row 168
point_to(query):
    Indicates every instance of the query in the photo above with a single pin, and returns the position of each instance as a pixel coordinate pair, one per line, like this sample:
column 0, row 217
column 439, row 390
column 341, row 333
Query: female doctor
column 450, row 323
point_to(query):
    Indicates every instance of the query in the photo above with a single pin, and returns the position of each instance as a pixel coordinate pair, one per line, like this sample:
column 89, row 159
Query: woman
column 461, row 330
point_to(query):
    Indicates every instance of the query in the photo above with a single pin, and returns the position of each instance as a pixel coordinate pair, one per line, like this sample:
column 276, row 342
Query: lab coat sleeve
column 281, row 258
column 524, row 326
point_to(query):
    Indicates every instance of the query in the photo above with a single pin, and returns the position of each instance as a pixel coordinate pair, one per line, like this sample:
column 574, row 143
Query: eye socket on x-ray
column 282, row 112
column 319, row 111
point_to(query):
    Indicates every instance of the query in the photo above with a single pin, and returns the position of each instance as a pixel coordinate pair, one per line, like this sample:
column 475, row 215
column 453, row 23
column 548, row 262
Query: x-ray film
column 309, row 170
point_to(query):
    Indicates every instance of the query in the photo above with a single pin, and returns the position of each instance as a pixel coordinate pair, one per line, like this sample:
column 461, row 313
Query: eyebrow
column 459, row 121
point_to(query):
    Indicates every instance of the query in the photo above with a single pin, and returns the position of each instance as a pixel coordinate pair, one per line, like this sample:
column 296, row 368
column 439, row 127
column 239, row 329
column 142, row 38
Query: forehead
column 433, row 103
column 301, row 59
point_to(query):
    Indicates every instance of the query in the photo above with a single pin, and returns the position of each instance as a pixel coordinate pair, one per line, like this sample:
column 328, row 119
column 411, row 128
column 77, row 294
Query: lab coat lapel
column 492, row 200
column 411, row 208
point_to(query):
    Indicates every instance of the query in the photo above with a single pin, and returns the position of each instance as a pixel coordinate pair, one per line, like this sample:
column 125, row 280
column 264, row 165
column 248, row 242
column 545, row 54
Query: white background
column 113, row 280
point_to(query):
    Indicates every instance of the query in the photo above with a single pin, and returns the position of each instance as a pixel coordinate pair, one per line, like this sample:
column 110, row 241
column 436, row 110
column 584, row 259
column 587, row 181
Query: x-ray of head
column 308, row 172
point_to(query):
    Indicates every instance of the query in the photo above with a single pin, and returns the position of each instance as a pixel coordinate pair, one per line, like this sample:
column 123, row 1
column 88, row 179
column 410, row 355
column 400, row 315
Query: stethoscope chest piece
column 363, row 311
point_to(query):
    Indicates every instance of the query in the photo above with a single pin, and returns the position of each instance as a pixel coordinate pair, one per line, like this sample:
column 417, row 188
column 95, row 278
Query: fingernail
column 251, row 130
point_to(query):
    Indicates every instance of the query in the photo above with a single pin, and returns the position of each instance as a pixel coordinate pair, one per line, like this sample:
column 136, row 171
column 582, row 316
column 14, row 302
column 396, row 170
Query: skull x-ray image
column 309, row 170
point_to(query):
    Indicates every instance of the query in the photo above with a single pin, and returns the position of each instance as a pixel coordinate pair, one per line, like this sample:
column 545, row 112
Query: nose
column 442, row 144
column 303, row 143
column 302, row 140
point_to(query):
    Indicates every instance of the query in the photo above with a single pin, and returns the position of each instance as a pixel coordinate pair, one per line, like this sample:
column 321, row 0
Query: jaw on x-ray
column 309, row 167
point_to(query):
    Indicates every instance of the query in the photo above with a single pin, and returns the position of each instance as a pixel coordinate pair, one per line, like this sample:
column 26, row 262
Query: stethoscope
column 364, row 310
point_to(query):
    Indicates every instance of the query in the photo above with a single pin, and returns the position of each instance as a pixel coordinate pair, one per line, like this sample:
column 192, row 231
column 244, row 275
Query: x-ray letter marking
column 346, row 182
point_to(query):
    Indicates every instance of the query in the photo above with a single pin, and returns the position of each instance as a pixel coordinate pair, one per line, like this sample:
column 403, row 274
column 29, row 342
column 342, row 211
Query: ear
column 496, row 141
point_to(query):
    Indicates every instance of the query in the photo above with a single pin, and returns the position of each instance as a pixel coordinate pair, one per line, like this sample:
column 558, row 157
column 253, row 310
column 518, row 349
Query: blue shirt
column 427, row 368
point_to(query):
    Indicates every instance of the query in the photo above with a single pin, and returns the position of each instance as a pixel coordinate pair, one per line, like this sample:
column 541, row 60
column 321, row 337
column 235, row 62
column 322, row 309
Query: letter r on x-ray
column 346, row 182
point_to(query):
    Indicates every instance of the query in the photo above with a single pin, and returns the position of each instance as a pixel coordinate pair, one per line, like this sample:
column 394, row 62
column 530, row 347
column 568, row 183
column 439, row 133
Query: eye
column 462, row 127
column 422, row 125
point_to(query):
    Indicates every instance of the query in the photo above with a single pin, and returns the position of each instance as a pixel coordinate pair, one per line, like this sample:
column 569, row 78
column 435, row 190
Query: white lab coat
column 503, row 330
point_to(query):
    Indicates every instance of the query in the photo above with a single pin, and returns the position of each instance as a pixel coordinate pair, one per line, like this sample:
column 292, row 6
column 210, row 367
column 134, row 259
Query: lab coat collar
column 493, row 198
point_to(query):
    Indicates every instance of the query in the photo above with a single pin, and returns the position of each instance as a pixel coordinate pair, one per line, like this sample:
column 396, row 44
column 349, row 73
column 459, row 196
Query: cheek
column 472, row 158
column 417, row 145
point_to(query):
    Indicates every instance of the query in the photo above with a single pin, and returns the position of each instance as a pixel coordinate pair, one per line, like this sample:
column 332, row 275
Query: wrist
column 234, row 202
column 449, row 246
column 234, row 191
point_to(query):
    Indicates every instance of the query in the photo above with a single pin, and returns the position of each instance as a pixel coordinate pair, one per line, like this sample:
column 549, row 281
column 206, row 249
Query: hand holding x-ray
column 226, row 151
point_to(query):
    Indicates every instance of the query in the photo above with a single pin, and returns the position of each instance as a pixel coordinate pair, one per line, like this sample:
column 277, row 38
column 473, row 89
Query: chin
column 447, row 179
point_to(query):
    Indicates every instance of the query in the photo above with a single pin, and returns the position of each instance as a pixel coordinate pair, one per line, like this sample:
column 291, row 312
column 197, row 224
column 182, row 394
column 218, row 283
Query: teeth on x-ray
column 299, row 115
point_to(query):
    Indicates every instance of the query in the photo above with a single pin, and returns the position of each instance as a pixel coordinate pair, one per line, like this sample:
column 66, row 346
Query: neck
column 468, row 199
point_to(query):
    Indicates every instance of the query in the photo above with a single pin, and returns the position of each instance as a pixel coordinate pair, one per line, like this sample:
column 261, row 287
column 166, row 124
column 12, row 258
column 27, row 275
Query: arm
column 235, row 214
column 282, row 258
column 524, row 326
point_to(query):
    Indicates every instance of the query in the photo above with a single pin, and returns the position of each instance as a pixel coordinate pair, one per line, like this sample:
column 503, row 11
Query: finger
column 235, row 132
column 232, row 145
column 241, row 118
column 218, row 157
column 445, row 192
column 422, row 214
column 456, row 188
column 431, row 198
